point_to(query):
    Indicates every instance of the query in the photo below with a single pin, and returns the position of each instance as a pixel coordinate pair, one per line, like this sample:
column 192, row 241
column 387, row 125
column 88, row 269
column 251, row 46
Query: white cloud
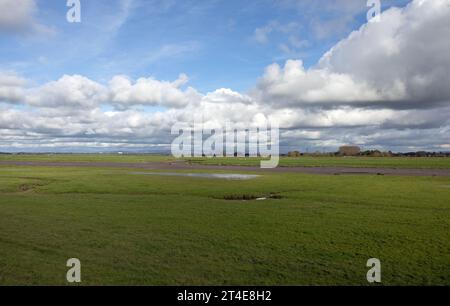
column 70, row 91
column 19, row 16
column 228, row 96
column 16, row 16
column 326, row 18
column 295, row 86
column 11, row 87
column 261, row 34
column 405, row 57
column 402, row 60
column 148, row 91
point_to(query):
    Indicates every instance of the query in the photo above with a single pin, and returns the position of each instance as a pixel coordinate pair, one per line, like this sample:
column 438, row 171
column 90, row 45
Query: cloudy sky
column 121, row 78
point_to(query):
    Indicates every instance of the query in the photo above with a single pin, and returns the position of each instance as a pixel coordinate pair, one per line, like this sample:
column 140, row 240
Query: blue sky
column 121, row 78
column 212, row 41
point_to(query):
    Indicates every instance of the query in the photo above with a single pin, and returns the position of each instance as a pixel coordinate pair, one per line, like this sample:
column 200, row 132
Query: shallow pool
column 224, row 176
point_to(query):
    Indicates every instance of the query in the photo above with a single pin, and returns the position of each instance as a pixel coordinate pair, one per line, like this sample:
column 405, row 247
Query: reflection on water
column 224, row 176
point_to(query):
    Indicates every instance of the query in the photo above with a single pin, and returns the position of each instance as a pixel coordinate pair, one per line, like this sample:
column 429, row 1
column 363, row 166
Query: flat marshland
column 173, row 230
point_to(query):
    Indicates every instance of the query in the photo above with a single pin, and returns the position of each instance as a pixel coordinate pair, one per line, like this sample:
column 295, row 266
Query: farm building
column 349, row 150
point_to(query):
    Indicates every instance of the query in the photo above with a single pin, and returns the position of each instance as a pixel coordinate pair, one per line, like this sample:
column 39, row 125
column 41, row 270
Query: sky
column 124, row 75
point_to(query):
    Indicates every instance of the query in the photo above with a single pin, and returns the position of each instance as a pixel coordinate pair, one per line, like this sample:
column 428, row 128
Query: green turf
column 307, row 161
column 313, row 161
column 155, row 230
column 107, row 158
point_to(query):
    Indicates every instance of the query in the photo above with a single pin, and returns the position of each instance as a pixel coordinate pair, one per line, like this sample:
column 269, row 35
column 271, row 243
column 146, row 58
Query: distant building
column 294, row 154
column 349, row 150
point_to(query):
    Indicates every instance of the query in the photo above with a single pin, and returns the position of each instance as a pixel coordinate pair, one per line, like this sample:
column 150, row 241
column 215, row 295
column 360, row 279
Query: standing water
column 224, row 176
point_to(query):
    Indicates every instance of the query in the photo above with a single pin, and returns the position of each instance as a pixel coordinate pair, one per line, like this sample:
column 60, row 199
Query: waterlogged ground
column 172, row 230
column 222, row 176
column 304, row 161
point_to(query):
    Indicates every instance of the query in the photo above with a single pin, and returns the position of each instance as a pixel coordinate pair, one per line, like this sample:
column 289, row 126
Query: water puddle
column 223, row 176
column 252, row 197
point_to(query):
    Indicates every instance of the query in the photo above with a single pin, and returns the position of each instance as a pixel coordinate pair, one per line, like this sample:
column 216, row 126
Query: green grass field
column 107, row 158
column 312, row 161
column 158, row 230
column 305, row 161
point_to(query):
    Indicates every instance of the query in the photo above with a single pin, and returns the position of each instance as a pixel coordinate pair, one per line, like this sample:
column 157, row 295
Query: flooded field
column 224, row 176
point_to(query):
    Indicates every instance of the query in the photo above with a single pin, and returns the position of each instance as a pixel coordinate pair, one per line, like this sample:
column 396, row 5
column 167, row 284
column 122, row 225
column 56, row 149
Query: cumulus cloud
column 69, row 91
column 406, row 54
column 75, row 91
column 295, row 86
column 226, row 95
column 148, row 91
column 399, row 62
